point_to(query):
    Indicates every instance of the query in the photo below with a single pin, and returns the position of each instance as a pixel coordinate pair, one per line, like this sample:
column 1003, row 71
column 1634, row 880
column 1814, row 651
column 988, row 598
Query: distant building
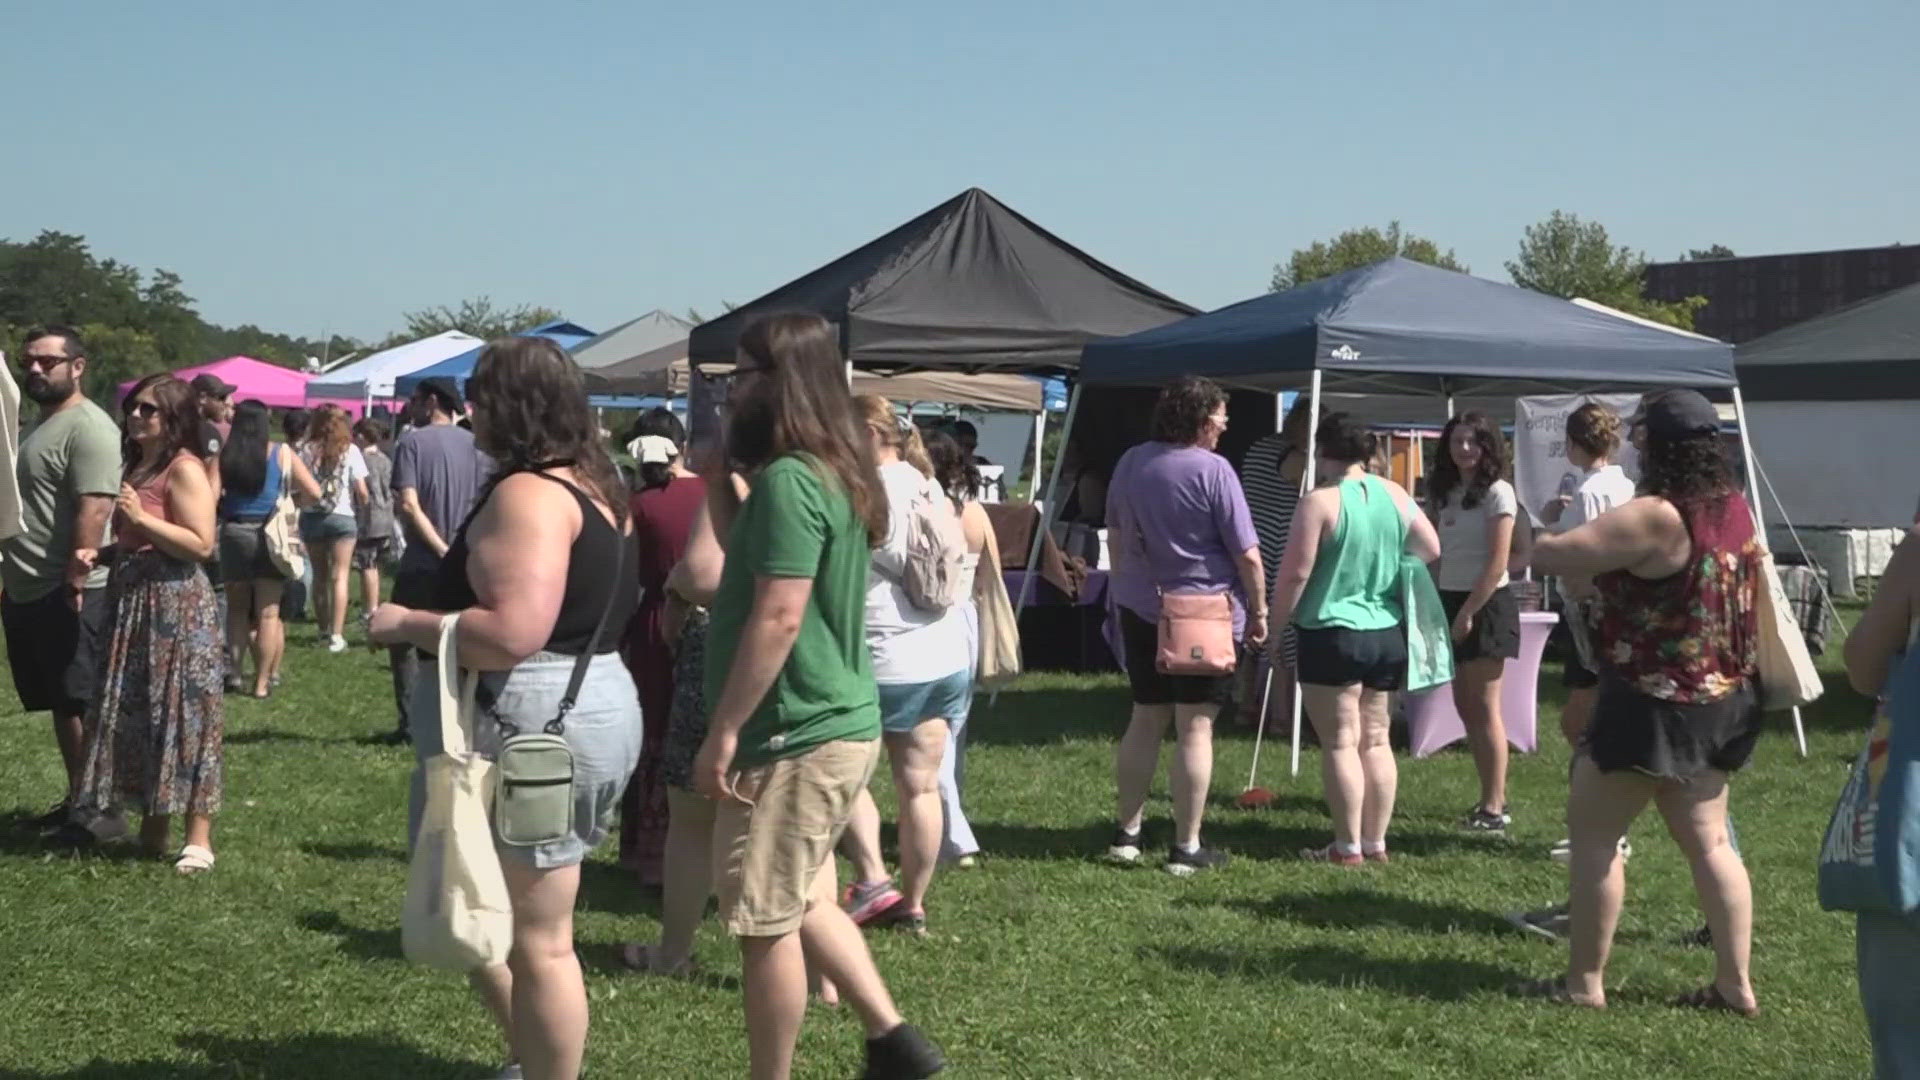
column 1749, row 296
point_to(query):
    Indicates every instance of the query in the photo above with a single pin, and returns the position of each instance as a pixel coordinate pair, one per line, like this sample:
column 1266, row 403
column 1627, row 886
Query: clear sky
column 327, row 166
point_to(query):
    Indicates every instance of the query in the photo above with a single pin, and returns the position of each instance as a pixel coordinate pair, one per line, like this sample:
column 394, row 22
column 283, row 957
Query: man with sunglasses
column 54, row 607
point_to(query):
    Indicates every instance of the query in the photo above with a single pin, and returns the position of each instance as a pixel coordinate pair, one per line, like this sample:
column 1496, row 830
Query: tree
column 1566, row 257
column 476, row 316
column 1356, row 248
column 1716, row 251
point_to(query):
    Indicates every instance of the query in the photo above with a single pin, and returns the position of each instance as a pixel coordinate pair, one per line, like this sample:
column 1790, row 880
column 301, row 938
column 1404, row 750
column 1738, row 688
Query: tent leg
column 1046, row 519
column 1760, row 526
column 1306, row 483
column 1039, row 448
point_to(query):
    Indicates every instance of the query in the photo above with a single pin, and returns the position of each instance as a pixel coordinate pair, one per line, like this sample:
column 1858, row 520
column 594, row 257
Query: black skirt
column 1634, row 732
column 1496, row 626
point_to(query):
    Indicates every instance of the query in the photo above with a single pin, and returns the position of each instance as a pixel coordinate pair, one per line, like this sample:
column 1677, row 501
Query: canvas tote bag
column 282, row 531
column 1870, row 860
column 457, row 915
column 1788, row 678
column 999, row 660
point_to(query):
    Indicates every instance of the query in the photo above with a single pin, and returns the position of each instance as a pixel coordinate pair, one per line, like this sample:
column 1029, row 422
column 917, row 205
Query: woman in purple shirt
column 1177, row 521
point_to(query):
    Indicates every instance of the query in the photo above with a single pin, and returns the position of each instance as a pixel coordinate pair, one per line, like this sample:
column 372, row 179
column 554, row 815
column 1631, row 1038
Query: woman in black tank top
column 537, row 575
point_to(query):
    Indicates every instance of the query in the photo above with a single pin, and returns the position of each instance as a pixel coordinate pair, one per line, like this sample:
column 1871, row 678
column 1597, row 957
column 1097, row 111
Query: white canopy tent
column 373, row 377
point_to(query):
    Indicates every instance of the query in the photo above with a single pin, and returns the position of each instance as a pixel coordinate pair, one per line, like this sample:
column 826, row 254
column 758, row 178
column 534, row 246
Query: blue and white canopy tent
column 1412, row 332
column 458, row 367
column 372, row 378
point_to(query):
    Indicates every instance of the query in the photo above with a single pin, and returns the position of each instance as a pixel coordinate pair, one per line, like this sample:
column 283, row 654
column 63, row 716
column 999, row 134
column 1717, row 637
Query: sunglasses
column 44, row 363
column 143, row 410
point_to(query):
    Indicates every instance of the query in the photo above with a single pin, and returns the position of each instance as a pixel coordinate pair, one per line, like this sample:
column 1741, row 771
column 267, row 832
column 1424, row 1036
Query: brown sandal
column 1710, row 999
column 1552, row 991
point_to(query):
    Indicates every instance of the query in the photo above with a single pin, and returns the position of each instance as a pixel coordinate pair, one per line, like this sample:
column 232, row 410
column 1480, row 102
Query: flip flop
column 1710, row 999
column 193, row 859
column 1552, row 991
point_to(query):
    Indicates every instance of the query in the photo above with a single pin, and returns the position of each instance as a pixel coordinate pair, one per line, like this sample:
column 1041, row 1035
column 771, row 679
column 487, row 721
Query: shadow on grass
column 365, row 943
column 1253, row 839
column 612, row 888
column 356, row 852
column 1045, row 717
column 1429, row 978
column 263, row 736
column 19, row 836
column 316, row 1056
column 605, row 958
column 1361, row 909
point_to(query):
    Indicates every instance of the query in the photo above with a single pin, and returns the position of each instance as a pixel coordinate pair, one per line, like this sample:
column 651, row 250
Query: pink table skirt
column 1433, row 723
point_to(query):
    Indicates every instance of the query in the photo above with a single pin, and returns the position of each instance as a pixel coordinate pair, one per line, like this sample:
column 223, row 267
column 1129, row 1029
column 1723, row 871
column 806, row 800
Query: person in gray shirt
column 437, row 476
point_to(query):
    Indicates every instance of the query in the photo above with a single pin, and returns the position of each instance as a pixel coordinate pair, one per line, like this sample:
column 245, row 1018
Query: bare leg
column 836, row 950
column 549, row 994
column 1191, row 774
column 1382, row 772
column 1578, row 714
column 688, row 876
column 370, row 587
column 200, row 830
column 1335, row 712
column 916, row 782
column 339, row 571
column 1280, row 704
column 270, row 639
column 826, row 886
column 1476, row 695
column 1600, row 808
column 773, row 976
column 1137, row 759
column 494, row 985
column 1696, row 815
column 239, row 626
column 70, row 732
column 861, row 842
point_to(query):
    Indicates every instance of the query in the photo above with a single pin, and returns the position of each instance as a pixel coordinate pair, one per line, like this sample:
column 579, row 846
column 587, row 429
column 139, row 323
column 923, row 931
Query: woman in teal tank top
column 1340, row 586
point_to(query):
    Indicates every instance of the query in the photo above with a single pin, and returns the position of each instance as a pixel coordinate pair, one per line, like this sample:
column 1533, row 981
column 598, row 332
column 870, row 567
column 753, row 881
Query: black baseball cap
column 1678, row 414
column 212, row 385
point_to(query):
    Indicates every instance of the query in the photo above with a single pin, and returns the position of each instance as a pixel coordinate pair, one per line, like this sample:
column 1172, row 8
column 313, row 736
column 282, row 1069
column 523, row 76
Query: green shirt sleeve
column 786, row 522
column 93, row 458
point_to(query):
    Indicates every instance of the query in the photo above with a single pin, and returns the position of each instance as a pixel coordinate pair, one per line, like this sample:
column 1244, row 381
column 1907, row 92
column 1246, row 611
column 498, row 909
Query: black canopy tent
column 1865, row 351
column 968, row 286
column 1410, row 330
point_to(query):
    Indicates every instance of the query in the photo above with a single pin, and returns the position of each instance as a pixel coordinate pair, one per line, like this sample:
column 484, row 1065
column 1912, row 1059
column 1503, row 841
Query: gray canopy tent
column 1411, row 331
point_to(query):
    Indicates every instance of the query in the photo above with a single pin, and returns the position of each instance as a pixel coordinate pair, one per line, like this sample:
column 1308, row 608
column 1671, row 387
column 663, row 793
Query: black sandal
column 1709, row 998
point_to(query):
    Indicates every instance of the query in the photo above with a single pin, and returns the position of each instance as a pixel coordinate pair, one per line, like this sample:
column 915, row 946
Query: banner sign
column 1541, row 471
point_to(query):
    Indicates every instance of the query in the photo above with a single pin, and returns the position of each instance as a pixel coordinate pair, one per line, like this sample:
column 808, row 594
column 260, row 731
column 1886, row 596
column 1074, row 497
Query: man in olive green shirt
column 54, row 608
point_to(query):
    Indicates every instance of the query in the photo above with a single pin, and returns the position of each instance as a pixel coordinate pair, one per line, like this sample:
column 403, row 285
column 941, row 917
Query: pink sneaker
column 1332, row 857
column 866, row 902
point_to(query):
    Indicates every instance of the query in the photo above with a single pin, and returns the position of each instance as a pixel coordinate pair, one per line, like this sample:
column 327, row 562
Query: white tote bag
column 1788, row 677
column 457, row 916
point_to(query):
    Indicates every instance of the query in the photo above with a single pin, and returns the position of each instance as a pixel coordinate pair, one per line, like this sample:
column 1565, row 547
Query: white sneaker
column 1563, row 851
column 339, row 645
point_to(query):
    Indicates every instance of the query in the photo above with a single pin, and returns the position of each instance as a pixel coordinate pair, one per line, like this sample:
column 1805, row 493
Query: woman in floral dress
column 1677, row 572
column 155, row 735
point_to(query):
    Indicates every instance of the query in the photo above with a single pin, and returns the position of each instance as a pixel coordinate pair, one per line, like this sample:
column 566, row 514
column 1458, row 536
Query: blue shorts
column 905, row 706
column 326, row 528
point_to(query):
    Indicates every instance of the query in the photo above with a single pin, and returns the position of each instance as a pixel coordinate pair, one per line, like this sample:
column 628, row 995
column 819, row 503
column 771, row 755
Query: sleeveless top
column 1692, row 637
column 589, row 563
column 259, row 505
column 153, row 499
column 1356, row 576
column 970, row 562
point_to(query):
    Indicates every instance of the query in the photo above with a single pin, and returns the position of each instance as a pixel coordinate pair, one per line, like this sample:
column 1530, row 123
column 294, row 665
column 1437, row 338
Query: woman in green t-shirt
column 1340, row 586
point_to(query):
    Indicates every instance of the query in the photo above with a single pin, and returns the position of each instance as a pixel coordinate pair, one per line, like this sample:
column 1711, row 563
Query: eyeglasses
column 143, row 410
column 44, row 363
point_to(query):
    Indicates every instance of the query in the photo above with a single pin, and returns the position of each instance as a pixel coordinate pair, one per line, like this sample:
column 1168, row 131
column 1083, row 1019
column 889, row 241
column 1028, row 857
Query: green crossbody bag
column 533, row 799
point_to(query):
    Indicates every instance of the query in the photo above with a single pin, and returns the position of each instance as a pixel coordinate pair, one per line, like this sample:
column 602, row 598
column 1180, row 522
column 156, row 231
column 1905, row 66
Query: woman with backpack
column 924, row 669
column 1889, row 945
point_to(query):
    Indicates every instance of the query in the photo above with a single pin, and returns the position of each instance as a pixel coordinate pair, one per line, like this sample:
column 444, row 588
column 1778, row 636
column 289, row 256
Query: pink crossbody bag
column 1196, row 634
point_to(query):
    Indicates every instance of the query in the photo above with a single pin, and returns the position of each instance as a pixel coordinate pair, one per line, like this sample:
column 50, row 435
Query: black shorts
column 371, row 552
column 54, row 650
column 1337, row 656
column 1141, row 641
column 1633, row 732
column 1496, row 627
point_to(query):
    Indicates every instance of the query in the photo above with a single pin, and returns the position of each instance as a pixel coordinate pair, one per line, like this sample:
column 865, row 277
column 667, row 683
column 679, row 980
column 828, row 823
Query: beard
column 45, row 391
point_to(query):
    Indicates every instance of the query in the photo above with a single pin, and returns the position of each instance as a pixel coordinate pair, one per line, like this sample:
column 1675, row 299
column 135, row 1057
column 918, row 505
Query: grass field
column 284, row 962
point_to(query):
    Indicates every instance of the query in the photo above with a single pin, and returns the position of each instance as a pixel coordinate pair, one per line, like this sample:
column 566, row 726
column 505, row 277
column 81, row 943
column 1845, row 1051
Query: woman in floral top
column 1677, row 571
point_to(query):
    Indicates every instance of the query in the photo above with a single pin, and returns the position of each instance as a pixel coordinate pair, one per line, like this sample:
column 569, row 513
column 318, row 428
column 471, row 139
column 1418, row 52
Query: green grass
column 284, row 962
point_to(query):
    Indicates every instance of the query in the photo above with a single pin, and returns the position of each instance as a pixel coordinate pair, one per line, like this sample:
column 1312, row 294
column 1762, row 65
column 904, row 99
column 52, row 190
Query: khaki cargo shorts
column 767, row 849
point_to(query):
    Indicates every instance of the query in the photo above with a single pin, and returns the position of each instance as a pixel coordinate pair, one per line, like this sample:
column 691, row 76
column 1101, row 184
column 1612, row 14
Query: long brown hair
column 329, row 433
column 901, row 434
column 179, row 426
column 530, row 412
column 801, row 406
column 1492, row 466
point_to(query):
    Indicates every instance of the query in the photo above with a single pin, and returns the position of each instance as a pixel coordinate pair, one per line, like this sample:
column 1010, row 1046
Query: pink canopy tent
column 255, row 380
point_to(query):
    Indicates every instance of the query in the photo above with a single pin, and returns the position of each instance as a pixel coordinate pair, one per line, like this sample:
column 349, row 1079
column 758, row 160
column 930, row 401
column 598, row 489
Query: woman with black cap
column 1677, row 573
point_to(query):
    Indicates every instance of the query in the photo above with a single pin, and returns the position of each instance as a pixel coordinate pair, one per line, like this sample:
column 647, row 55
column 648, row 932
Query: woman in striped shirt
column 1271, row 474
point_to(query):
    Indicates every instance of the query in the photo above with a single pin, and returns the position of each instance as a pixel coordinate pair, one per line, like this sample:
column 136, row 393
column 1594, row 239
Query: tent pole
column 1760, row 527
column 1306, row 485
column 1039, row 448
column 1046, row 517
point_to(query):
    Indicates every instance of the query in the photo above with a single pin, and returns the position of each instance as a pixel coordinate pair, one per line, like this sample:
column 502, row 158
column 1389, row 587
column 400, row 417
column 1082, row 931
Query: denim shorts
column 603, row 731
column 905, row 706
column 326, row 528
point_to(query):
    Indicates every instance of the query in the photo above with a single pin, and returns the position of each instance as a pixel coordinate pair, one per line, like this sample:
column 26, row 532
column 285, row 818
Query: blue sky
column 328, row 166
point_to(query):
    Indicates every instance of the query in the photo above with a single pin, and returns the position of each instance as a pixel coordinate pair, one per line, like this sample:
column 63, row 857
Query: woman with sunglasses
column 154, row 744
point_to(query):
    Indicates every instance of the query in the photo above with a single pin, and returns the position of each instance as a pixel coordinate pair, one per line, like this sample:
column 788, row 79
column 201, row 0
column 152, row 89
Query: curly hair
column 179, row 426
column 1493, row 462
column 1595, row 429
column 1688, row 471
column 329, row 433
column 531, row 404
column 953, row 467
column 1182, row 411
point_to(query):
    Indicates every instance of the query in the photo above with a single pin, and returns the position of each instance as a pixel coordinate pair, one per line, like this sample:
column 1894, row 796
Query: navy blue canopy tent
column 564, row 334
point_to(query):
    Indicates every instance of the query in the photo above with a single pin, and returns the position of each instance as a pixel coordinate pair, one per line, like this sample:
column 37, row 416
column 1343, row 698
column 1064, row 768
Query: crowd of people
column 732, row 637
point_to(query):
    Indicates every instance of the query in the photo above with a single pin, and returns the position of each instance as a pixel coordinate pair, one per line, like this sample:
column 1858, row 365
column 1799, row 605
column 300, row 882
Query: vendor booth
column 372, row 378
column 252, row 380
column 458, row 367
column 1411, row 332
